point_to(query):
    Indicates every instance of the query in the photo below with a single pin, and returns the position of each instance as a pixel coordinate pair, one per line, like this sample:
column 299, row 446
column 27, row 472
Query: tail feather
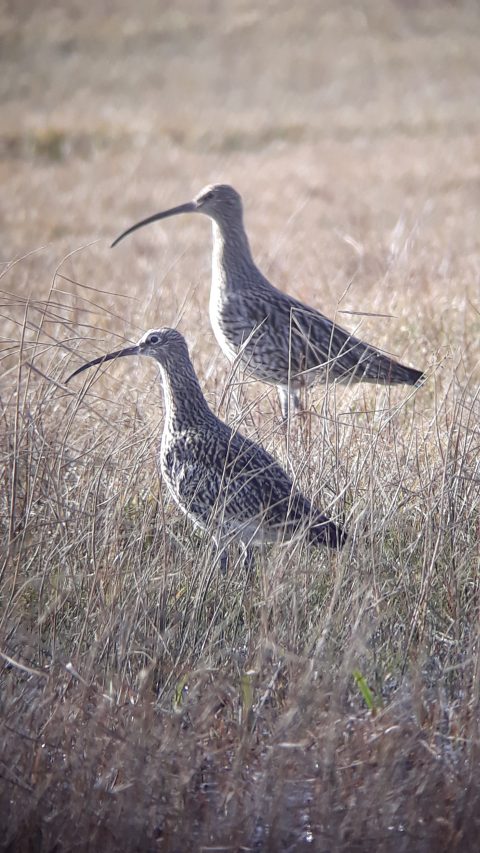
column 420, row 378
column 353, row 359
column 394, row 373
column 375, row 366
column 326, row 532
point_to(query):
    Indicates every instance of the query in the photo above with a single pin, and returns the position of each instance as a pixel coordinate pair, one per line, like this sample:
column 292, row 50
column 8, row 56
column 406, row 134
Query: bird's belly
column 247, row 342
column 256, row 345
column 182, row 480
column 224, row 333
column 206, row 516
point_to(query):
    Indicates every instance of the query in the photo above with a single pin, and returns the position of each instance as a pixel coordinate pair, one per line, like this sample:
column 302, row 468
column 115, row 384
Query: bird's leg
column 248, row 557
column 220, row 555
column 303, row 415
column 295, row 398
column 224, row 562
column 283, row 398
column 286, row 396
column 289, row 401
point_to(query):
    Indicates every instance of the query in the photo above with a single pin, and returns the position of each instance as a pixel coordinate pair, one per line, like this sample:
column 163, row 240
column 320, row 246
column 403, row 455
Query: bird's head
column 164, row 345
column 218, row 201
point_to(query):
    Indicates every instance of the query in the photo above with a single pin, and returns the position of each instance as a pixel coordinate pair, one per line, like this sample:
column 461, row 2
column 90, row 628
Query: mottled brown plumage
column 275, row 338
column 225, row 483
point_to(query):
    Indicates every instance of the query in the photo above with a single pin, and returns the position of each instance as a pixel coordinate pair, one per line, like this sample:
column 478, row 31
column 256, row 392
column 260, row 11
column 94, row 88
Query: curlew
column 225, row 483
column 274, row 337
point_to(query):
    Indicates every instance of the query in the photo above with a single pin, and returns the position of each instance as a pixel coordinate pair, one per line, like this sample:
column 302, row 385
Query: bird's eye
column 153, row 339
column 208, row 196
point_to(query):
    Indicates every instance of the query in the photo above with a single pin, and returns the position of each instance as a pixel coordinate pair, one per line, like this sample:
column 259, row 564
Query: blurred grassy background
column 351, row 130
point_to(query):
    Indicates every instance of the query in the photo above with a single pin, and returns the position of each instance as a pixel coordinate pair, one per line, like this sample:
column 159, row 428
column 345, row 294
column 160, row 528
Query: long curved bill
column 111, row 355
column 189, row 207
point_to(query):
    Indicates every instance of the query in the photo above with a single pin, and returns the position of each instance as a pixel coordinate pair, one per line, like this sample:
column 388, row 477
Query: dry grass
column 328, row 703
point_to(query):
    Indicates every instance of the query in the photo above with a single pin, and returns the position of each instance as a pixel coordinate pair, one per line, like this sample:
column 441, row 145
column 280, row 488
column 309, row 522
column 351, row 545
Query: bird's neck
column 185, row 405
column 232, row 260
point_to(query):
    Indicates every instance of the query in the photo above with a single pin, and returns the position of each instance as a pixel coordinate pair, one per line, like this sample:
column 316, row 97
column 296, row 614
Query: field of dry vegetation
column 328, row 702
